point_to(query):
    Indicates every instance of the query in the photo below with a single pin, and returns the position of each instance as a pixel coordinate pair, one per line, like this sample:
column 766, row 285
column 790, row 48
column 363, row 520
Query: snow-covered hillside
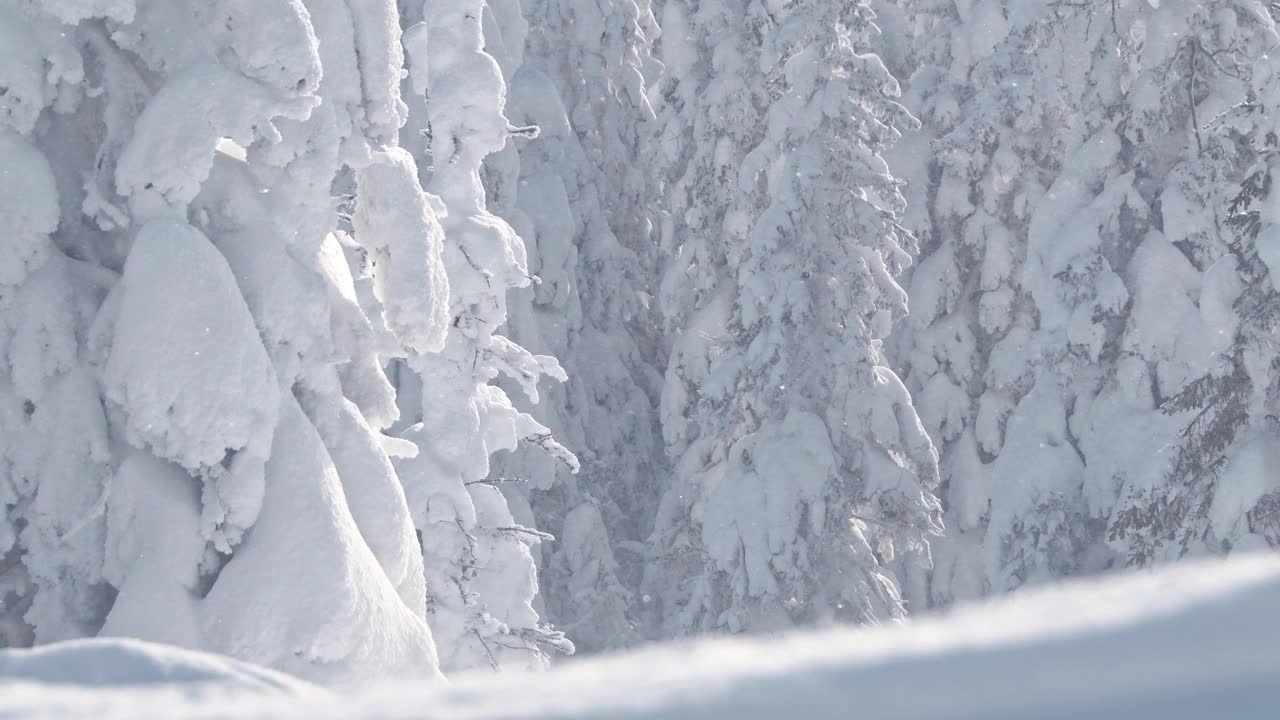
column 1193, row 641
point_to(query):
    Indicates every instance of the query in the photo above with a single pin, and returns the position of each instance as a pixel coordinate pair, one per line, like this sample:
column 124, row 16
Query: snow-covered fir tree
column 578, row 194
column 191, row 345
column 481, row 578
column 1217, row 492
column 1058, row 302
column 802, row 468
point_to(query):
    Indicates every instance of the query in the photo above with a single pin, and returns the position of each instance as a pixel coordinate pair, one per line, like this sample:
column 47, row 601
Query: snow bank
column 1188, row 642
column 121, row 662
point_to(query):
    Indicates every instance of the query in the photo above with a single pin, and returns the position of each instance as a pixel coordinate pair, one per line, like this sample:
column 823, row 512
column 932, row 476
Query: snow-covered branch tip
column 528, row 132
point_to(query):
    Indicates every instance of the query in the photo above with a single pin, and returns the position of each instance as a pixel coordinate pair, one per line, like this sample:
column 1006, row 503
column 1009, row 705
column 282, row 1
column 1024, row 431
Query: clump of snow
column 188, row 372
column 375, row 497
column 29, row 210
column 38, row 67
column 376, row 34
column 172, row 150
column 302, row 592
column 398, row 223
column 153, row 552
column 272, row 41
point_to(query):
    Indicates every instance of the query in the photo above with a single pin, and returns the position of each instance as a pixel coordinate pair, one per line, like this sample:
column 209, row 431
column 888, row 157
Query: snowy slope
column 115, row 662
column 1189, row 642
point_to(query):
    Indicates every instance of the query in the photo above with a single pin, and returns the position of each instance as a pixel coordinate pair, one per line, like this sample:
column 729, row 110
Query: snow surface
column 124, row 662
column 1192, row 641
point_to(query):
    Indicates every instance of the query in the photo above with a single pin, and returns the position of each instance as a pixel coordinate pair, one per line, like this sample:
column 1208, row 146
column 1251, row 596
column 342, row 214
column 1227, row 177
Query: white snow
column 171, row 153
column 302, row 594
column 122, row 662
column 396, row 219
column 181, row 321
column 1193, row 641
column 153, row 552
column 28, row 207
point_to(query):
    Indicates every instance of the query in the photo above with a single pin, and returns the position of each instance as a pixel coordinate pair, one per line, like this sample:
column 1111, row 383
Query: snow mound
column 1188, row 642
column 120, row 662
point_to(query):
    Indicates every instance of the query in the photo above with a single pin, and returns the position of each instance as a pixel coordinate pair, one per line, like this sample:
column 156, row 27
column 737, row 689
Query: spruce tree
column 801, row 466
column 1054, row 308
column 1215, row 494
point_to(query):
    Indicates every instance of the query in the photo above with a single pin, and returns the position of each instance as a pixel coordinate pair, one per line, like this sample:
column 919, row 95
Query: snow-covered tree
column 1058, row 300
column 801, row 466
column 578, row 194
column 1217, row 492
column 191, row 345
column 481, row 577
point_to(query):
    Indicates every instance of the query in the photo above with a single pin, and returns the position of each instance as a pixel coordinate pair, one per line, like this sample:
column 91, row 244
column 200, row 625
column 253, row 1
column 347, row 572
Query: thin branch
column 493, row 661
column 1191, row 98
column 521, row 530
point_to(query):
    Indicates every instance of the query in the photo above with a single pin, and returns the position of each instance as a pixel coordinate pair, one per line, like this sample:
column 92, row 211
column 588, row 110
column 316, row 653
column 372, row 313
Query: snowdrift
column 121, row 662
column 1198, row 640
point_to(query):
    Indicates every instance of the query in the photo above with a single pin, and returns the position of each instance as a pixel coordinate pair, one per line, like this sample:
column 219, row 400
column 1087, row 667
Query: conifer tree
column 1055, row 306
column 191, row 336
column 481, row 579
column 1215, row 493
column 801, row 467
column 579, row 194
